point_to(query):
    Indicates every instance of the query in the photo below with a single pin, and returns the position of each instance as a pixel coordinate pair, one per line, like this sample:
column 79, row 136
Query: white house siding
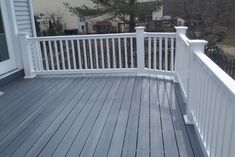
column 158, row 14
column 23, row 16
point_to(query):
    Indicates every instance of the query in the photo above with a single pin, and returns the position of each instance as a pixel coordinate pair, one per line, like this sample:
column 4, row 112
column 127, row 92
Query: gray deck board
column 96, row 118
column 17, row 93
column 56, row 131
column 130, row 140
column 39, row 118
column 169, row 138
column 115, row 148
column 16, row 86
column 24, row 103
column 69, row 138
column 189, row 128
column 76, row 112
column 156, row 136
column 143, row 143
column 184, row 145
column 49, row 123
column 8, row 125
column 100, row 137
column 112, row 115
column 50, row 133
column 8, row 106
column 28, row 115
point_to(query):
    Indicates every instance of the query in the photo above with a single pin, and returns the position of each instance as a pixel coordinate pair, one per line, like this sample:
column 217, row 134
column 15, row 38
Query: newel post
column 196, row 46
column 140, row 49
column 27, row 56
column 181, row 30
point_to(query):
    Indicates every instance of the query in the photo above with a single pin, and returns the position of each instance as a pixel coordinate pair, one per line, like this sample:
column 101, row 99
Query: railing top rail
column 92, row 36
column 167, row 34
column 220, row 76
column 185, row 39
column 100, row 36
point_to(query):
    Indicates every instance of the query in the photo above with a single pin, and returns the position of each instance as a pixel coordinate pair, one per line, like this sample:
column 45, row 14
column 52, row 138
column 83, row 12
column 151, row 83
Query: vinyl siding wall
column 23, row 17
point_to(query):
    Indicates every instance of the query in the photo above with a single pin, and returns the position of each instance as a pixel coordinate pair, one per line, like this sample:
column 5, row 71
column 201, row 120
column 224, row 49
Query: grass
column 229, row 41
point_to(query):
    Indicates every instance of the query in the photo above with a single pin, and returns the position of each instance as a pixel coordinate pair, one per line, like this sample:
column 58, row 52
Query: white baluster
column 108, row 53
column 57, row 56
column 96, row 54
column 132, row 56
column 91, row 56
column 166, row 54
column 114, row 53
column 84, row 53
column 154, row 53
column 102, row 53
column 62, row 54
column 119, row 53
column 125, row 49
column 39, row 52
column 150, row 49
column 160, row 53
column 79, row 54
column 51, row 56
column 74, row 57
column 45, row 55
column 172, row 54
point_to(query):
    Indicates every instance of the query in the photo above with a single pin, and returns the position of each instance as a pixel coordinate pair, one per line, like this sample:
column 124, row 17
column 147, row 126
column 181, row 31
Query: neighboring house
column 56, row 6
column 43, row 22
column 82, row 24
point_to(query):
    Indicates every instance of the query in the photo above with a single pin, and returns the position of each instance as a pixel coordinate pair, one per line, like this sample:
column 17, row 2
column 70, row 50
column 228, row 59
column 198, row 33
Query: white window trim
column 9, row 38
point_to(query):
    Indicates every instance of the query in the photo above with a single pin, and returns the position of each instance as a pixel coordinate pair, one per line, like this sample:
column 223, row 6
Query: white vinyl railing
column 160, row 51
column 123, row 52
column 210, row 97
column 208, row 91
column 212, row 104
column 86, row 52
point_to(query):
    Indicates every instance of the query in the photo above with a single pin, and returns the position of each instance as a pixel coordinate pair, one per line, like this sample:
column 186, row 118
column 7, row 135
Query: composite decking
column 95, row 115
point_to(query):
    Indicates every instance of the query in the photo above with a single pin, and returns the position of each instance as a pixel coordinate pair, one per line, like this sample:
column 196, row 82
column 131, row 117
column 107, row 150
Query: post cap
column 181, row 29
column 197, row 45
column 140, row 28
column 198, row 42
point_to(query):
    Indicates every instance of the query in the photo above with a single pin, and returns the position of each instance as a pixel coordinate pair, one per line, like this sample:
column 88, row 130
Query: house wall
column 158, row 14
column 23, row 16
column 19, row 21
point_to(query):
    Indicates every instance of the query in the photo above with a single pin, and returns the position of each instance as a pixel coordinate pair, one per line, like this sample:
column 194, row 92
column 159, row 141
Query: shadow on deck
column 95, row 115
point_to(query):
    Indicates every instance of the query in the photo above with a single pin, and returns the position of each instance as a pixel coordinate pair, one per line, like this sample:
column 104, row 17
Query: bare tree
column 203, row 15
column 56, row 24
